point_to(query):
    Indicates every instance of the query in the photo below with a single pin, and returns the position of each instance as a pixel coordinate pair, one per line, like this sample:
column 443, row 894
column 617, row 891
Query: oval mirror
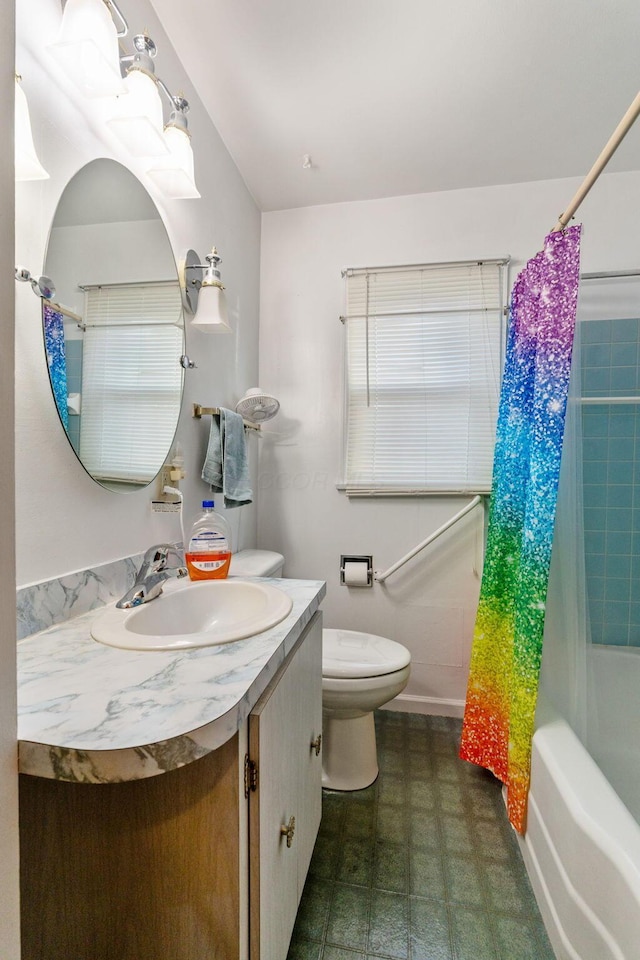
column 114, row 333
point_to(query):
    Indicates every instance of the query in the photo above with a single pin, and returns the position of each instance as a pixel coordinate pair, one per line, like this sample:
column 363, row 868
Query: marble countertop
column 96, row 714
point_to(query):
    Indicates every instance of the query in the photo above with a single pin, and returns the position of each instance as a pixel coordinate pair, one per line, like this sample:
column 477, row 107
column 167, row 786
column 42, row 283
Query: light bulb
column 87, row 49
column 28, row 167
column 211, row 315
column 137, row 117
column 174, row 175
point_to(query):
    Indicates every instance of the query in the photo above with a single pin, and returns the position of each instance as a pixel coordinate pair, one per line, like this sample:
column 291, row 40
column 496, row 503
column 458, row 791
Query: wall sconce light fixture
column 88, row 51
column 204, row 292
column 87, row 47
column 28, row 167
column 136, row 118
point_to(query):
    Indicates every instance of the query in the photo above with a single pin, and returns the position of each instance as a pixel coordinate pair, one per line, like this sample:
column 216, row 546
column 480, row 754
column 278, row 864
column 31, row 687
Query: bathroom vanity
column 169, row 801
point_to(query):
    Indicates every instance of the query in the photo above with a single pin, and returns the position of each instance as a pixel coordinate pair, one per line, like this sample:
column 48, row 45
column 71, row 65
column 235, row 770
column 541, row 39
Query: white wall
column 65, row 521
column 430, row 604
column 123, row 252
column 9, row 877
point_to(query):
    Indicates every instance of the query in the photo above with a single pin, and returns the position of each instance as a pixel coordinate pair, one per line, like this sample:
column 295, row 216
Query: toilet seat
column 351, row 654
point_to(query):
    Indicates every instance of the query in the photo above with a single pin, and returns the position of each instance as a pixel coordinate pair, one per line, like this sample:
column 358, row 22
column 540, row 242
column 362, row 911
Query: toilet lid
column 350, row 653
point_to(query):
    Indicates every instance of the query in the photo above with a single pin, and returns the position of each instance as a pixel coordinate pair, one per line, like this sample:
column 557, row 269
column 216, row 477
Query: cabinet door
column 309, row 687
column 281, row 727
column 141, row 870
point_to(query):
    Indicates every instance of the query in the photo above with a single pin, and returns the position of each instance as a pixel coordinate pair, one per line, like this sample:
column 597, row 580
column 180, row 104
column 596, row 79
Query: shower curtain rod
column 610, row 275
column 612, row 145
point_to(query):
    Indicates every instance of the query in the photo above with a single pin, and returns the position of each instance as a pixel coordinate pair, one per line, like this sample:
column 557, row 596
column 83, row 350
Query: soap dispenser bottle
column 208, row 554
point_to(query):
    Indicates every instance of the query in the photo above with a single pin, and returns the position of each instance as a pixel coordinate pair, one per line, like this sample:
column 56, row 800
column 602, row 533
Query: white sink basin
column 199, row 614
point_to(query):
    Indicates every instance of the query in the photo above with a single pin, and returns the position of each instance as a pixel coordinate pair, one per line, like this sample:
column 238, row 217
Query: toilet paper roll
column 356, row 573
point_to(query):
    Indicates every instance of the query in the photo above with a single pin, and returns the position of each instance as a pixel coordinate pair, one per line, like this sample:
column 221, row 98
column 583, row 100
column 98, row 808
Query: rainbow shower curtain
column 53, row 323
column 507, row 645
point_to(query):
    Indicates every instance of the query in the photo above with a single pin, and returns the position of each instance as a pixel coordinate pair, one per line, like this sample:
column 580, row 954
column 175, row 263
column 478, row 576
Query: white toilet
column 256, row 563
column 360, row 672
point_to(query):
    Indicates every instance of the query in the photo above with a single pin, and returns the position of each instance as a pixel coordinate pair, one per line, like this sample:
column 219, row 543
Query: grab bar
column 381, row 577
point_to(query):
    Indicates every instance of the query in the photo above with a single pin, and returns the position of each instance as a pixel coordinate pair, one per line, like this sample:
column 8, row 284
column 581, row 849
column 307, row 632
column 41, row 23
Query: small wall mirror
column 114, row 332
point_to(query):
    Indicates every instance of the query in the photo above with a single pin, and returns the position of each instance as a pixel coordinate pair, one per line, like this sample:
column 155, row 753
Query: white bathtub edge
column 551, row 919
column 566, row 916
column 581, row 850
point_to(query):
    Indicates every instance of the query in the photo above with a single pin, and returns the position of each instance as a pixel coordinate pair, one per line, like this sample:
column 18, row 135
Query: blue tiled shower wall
column 611, row 448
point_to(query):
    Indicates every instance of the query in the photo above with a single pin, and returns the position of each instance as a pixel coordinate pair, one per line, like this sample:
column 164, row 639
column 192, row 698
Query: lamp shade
column 211, row 314
column 87, row 48
column 174, row 174
column 137, row 117
column 28, row 167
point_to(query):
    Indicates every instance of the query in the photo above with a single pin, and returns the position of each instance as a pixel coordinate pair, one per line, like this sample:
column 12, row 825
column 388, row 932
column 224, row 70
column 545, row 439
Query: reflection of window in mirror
column 132, row 382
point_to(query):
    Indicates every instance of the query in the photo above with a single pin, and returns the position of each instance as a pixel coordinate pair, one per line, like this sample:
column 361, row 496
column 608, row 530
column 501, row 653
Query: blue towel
column 225, row 465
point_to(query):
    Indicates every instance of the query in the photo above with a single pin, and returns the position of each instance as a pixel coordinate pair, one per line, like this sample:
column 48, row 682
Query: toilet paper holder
column 362, row 564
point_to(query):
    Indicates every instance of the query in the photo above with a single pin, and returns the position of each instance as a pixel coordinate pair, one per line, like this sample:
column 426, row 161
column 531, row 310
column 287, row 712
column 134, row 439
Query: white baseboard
column 431, row 706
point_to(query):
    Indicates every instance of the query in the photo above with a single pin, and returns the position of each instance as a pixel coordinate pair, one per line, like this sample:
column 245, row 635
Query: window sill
column 371, row 491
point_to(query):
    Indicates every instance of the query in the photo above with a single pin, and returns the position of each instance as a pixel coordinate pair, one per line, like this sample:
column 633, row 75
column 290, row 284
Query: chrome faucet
column 160, row 563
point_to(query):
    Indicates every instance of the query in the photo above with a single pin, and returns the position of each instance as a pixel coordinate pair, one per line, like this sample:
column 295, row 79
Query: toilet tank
column 256, row 563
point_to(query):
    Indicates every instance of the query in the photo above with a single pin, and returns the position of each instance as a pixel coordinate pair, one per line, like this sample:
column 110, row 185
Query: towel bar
column 199, row 411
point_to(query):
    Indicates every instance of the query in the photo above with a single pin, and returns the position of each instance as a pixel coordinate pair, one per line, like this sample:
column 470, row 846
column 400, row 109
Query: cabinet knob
column 289, row 830
column 317, row 744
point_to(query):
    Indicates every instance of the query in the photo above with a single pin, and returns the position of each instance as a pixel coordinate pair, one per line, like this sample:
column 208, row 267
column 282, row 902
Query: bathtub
column 614, row 721
column 582, row 844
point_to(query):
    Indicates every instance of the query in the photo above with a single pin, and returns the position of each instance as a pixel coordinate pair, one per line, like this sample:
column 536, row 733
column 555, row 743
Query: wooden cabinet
column 285, row 807
column 143, row 870
column 157, row 869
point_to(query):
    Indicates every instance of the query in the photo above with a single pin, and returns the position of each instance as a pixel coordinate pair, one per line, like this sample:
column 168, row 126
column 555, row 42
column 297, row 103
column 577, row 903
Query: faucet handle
column 159, row 564
column 157, row 552
column 161, row 552
column 162, row 556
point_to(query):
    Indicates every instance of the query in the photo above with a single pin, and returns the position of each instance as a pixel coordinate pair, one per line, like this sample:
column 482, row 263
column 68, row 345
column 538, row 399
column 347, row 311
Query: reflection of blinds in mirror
column 140, row 303
column 132, row 380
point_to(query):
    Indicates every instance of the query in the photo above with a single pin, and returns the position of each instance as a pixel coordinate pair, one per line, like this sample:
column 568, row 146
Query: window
column 132, row 379
column 424, row 351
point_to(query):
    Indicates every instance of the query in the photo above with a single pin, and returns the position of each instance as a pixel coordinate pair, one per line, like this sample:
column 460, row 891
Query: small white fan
column 257, row 406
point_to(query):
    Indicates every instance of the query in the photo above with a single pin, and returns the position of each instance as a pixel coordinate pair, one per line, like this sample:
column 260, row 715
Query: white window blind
column 131, row 379
column 423, row 366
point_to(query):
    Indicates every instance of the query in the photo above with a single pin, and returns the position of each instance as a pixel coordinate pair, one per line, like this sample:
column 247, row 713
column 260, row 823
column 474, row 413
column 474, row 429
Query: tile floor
column 423, row 865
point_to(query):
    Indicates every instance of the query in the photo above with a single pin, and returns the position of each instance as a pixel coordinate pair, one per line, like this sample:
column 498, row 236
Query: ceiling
column 392, row 98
